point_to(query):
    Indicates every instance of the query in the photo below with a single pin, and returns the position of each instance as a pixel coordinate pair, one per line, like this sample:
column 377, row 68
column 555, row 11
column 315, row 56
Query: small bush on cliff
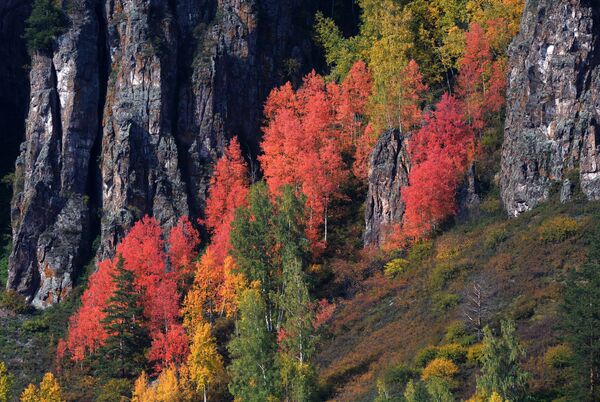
column 45, row 23
column 11, row 300
column 558, row 228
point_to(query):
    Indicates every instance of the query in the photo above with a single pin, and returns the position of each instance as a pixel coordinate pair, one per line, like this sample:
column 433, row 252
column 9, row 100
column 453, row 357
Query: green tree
column 297, row 336
column 580, row 318
column 122, row 355
column 254, row 374
column 439, row 390
column 501, row 371
column 253, row 245
column 46, row 22
column 416, row 392
column 5, row 383
column 270, row 247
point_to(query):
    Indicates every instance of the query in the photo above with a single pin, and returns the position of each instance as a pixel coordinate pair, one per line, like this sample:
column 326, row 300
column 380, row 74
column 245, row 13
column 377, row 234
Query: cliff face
column 552, row 130
column 14, row 91
column 127, row 116
column 388, row 174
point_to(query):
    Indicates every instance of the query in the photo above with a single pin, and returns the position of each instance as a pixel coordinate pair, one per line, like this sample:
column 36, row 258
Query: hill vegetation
column 284, row 303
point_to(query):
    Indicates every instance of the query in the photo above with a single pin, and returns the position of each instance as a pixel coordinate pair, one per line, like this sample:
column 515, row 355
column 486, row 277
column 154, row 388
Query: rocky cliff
column 388, row 173
column 14, row 92
column 127, row 115
column 552, row 135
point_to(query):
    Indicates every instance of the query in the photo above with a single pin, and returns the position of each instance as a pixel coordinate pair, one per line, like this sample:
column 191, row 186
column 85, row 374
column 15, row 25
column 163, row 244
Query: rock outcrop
column 50, row 215
column 127, row 116
column 552, row 130
column 388, row 173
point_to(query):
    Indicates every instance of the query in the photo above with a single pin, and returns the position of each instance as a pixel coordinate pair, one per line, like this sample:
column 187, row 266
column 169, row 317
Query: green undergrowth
column 411, row 306
column 28, row 338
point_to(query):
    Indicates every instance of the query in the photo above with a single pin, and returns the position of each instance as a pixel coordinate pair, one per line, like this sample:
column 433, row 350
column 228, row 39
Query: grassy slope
column 388, row 321
column 28, row 340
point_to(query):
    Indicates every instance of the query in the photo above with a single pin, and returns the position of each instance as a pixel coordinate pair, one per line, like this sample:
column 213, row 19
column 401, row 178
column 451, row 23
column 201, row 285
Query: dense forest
column 270, row 288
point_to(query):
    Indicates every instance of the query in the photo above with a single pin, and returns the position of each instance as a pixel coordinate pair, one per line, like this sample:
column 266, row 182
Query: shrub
column 420, row 251
column 452, row 351
column 491, row 205
column 458, row 332
column 475, row 353
column 115, row 390
column 523, row 308
column 494, row 237
column 445, row 301
column 440, row 368
column 442, row 273
column 14, row 302
column 45, row 23
column 557, row 229
column 395, row 267
column 35, row 325
column 558, row 356
column 425, row 355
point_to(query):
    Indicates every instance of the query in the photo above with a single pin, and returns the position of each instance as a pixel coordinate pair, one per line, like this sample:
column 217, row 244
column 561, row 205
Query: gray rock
column 389, row 166
column 51, row 171
column 127, row 116
column 553, row 104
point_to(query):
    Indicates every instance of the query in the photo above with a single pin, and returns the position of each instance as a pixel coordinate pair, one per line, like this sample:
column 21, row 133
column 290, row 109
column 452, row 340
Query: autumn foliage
column 440, row 153
column 143, row 253
column 306, row 135
column 228, row 190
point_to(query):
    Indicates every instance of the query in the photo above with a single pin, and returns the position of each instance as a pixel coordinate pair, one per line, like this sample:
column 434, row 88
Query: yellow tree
column 5, row 383
column 167, row 388
column 205, row 365
column 30, row 394
column 233, row 284
column 50, row 389
column 142, row 391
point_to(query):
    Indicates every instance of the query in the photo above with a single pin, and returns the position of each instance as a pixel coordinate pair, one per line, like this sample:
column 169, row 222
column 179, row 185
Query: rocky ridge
column 127, row 115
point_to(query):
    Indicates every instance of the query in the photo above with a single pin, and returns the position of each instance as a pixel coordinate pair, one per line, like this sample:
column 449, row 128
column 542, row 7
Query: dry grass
column 388, row 321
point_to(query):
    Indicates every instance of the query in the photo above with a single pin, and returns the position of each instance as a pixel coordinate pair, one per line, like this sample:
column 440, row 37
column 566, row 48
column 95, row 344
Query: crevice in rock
column 584, row 75
column 55, row 108
column 94, row 178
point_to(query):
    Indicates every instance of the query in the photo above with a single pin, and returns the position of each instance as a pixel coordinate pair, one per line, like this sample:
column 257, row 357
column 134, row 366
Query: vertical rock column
column 50, row 215
column 140, row 164
column 388, row 173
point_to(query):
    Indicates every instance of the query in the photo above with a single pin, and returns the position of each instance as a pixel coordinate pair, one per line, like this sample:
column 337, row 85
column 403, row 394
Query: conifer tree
column 45, row 23
column 122, row 354
column 253, row 245
column 500, row 370
column 581, row 323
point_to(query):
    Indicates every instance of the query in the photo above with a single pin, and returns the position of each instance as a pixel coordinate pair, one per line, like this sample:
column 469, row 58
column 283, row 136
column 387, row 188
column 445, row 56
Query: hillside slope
column 520, row 264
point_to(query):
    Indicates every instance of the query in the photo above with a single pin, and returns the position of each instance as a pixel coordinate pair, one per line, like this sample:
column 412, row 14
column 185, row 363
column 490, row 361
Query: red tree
column 183, row 243
column 440, row 154
column 143, row 253
column 169, row 348
column 413, row 90
column 302, row 146
column 228, row 190
column 350, row 108
column 481, row 80
column 86, row 333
